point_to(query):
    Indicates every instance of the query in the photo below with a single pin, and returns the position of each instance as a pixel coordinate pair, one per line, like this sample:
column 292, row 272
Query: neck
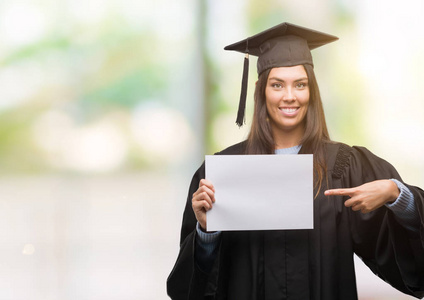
column 287, row 139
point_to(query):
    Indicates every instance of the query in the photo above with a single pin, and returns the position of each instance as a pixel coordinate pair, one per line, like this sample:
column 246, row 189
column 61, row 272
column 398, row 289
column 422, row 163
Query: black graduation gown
column 308, row 264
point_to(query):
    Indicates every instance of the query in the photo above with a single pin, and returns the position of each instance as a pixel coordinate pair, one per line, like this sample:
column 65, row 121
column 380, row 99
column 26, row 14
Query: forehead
column 287, row 73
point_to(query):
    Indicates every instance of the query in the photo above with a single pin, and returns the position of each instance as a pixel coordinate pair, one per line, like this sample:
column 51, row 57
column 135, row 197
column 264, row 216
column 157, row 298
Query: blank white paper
column 260, row 192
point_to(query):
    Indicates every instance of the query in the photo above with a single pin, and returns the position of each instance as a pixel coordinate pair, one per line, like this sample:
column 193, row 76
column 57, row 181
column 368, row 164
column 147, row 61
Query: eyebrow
column 281, row 80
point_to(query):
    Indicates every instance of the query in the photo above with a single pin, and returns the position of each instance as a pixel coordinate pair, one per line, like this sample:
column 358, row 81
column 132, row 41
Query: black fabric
column 283, row 45
column 309, row 264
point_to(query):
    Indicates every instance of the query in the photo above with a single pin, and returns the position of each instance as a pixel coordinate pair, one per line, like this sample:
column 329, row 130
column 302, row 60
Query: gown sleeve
column 187, row 280
column 389, row 249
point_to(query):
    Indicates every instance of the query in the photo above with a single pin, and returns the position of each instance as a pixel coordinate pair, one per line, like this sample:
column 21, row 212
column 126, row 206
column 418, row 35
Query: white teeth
column 289, row 109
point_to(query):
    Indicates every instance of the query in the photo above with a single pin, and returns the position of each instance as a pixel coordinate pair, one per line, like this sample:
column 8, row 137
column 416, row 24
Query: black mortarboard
column 284, row 45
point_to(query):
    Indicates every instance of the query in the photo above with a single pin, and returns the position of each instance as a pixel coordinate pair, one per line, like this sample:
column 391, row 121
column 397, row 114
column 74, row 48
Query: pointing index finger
column 338, row 192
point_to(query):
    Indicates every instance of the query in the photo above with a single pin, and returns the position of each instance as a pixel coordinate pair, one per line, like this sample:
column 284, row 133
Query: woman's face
column 287, row 99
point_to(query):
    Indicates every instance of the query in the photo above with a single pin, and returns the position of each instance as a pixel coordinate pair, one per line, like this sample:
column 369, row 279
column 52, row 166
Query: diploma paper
column 260, row 192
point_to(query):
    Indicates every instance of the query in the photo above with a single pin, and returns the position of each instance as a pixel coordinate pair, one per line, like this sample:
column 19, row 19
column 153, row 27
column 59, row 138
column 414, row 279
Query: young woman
column 361, row 204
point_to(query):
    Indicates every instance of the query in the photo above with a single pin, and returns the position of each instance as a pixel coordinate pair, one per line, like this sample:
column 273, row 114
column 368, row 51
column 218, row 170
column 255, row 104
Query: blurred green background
column 107, row 107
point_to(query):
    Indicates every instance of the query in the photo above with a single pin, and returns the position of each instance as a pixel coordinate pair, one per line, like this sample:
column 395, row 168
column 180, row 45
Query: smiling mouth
column 289, row 110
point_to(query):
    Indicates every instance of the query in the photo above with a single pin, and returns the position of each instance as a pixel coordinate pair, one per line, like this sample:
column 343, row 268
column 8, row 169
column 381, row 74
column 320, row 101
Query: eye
column 301, row 85
column 277, row 85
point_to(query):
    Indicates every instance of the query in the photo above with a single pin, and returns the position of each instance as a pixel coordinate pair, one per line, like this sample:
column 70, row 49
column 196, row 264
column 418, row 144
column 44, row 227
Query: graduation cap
column 284, row 45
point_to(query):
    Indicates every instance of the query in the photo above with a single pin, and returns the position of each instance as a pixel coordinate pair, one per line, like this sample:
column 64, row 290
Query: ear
column 256, row 83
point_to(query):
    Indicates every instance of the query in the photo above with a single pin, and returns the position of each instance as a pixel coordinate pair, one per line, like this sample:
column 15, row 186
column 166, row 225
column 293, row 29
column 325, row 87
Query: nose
column 289, row 95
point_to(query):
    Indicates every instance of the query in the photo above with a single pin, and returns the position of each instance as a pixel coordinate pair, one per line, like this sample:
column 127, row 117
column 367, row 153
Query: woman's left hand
column 369, row 196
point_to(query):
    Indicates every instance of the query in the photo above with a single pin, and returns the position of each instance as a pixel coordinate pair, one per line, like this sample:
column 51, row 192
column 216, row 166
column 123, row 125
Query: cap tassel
column 242, row 104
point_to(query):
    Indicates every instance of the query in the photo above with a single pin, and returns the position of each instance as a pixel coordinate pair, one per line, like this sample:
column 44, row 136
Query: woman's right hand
column 202, row 201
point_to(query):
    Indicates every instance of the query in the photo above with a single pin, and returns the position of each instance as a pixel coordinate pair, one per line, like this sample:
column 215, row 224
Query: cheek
column 270, row 106
column 305, row 99
column 306, row 107
column 267, row 100
column 271, row 98
column 267, row 96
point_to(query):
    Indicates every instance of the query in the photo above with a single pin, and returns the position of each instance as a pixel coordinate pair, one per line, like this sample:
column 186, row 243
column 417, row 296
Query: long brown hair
column 261, row 141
